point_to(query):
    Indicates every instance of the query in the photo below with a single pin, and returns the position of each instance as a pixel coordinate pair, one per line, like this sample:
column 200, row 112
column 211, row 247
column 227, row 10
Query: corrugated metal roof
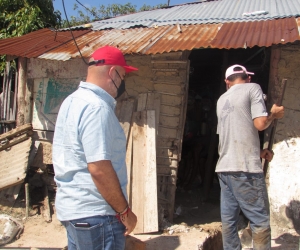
column 250, row 34
column 14, row 162
column 169, row 38
column 38, row 42
column 140, row 40
column 219, row 11
column 155, row 40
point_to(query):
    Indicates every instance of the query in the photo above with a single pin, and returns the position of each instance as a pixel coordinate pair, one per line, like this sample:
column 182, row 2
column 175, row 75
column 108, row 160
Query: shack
column 182, row 53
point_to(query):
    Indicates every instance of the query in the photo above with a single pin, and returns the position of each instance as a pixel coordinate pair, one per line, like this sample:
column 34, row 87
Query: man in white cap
column 241, row 114
column 89, row 149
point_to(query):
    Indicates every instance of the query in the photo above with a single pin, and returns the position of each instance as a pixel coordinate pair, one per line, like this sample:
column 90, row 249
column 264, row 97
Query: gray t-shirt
column 239, row 147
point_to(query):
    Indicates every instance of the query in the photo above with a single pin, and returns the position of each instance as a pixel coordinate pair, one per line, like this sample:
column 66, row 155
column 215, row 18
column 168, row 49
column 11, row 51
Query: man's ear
column 111, row 71
column 227, row 84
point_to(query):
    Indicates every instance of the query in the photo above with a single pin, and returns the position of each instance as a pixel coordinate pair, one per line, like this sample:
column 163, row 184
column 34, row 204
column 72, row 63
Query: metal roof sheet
column 13, row 164
column 185, row 37
column 258, row 33
column 218, row 11
column 38, row 42
column 140, row 40
column 159, row 39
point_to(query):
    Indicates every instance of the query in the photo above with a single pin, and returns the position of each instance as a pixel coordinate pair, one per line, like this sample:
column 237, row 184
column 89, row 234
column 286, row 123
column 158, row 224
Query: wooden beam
column 22, row 68
column 17, row 131
column 14, row 141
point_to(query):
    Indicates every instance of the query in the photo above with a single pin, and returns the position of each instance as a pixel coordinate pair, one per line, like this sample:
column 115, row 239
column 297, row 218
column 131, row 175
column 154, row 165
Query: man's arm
column 108, row 185
column 262, row 122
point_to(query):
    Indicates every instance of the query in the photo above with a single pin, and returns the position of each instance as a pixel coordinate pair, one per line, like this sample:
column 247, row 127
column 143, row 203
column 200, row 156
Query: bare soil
column 196, row 226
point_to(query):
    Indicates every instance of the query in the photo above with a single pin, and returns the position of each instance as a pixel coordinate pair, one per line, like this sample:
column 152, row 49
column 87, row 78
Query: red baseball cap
column 109, row 55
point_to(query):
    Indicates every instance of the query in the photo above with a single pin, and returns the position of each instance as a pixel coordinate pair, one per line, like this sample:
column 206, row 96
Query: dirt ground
column 196, row 226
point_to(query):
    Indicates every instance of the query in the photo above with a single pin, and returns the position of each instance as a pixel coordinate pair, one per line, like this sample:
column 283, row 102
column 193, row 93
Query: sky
column 95, row 3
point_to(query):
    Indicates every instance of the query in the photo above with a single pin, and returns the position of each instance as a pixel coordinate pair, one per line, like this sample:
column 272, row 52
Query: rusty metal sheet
column 154, row 40
column 185, row 37
column 13, row 164
column 37, row 43
column 140, row 40
column 258, row 33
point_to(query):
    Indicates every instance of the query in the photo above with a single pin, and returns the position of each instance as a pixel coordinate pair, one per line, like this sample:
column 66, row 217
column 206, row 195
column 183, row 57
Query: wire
column 63, row 2
column 87, row 9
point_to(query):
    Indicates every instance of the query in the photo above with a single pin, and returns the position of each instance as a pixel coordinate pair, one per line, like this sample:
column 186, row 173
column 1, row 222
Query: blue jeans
column 246, row 192
column 102, row 233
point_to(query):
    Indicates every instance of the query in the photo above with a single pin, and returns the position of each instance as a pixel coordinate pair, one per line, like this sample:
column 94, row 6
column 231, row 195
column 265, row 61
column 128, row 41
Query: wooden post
column 27, row 199
column 24, row 94
column 45, row 209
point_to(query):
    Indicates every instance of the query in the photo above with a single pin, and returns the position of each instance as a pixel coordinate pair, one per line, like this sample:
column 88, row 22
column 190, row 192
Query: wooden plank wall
column 171, row 82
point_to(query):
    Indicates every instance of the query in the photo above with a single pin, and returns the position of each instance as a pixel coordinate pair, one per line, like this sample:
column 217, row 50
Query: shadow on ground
column 191, row 209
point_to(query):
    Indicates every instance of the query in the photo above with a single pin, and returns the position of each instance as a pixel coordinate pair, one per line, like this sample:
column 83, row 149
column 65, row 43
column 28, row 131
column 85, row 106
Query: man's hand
column 266, row 154
column 277, row 111
column 129, row 220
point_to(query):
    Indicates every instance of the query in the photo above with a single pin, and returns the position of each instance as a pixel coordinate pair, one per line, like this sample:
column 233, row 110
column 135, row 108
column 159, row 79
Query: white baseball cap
column 236, row 69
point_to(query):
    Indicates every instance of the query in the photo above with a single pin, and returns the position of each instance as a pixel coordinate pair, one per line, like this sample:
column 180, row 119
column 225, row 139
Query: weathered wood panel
column 170, row 110
column 144, row 171
column 171, row 100
column 167, row 132
column 138, row 168
column 150, row 101
column 163, row 160
column 169, row 121
column 171, row 81
column 175, row 89
column 129, row 155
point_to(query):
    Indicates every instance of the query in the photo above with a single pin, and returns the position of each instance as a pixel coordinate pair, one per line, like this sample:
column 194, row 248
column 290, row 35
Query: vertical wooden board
column 138, row 168
column 142, row 101
column 129, row 167
column 150, row 189
column 125, row 115
column 153, row 103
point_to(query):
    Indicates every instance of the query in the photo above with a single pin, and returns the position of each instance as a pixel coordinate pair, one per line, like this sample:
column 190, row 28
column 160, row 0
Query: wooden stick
column 46, row 205
column 273, row 130
column 27, row 199
column 16, row 131
column 14, row 141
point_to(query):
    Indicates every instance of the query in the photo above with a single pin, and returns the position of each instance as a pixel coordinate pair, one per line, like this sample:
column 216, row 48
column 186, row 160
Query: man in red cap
column 89, row 149
column 241, row 114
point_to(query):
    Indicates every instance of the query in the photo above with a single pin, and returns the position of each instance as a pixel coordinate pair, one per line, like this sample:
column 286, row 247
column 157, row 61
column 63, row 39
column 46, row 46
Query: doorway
column 197, row 197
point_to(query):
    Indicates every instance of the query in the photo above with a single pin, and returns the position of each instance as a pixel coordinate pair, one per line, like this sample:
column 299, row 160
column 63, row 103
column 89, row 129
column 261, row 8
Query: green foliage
column 19, row 17
column 149, row 7
column 103, row 12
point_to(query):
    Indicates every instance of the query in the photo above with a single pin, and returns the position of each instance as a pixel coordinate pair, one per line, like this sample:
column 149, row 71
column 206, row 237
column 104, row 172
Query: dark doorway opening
column 197, row 195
